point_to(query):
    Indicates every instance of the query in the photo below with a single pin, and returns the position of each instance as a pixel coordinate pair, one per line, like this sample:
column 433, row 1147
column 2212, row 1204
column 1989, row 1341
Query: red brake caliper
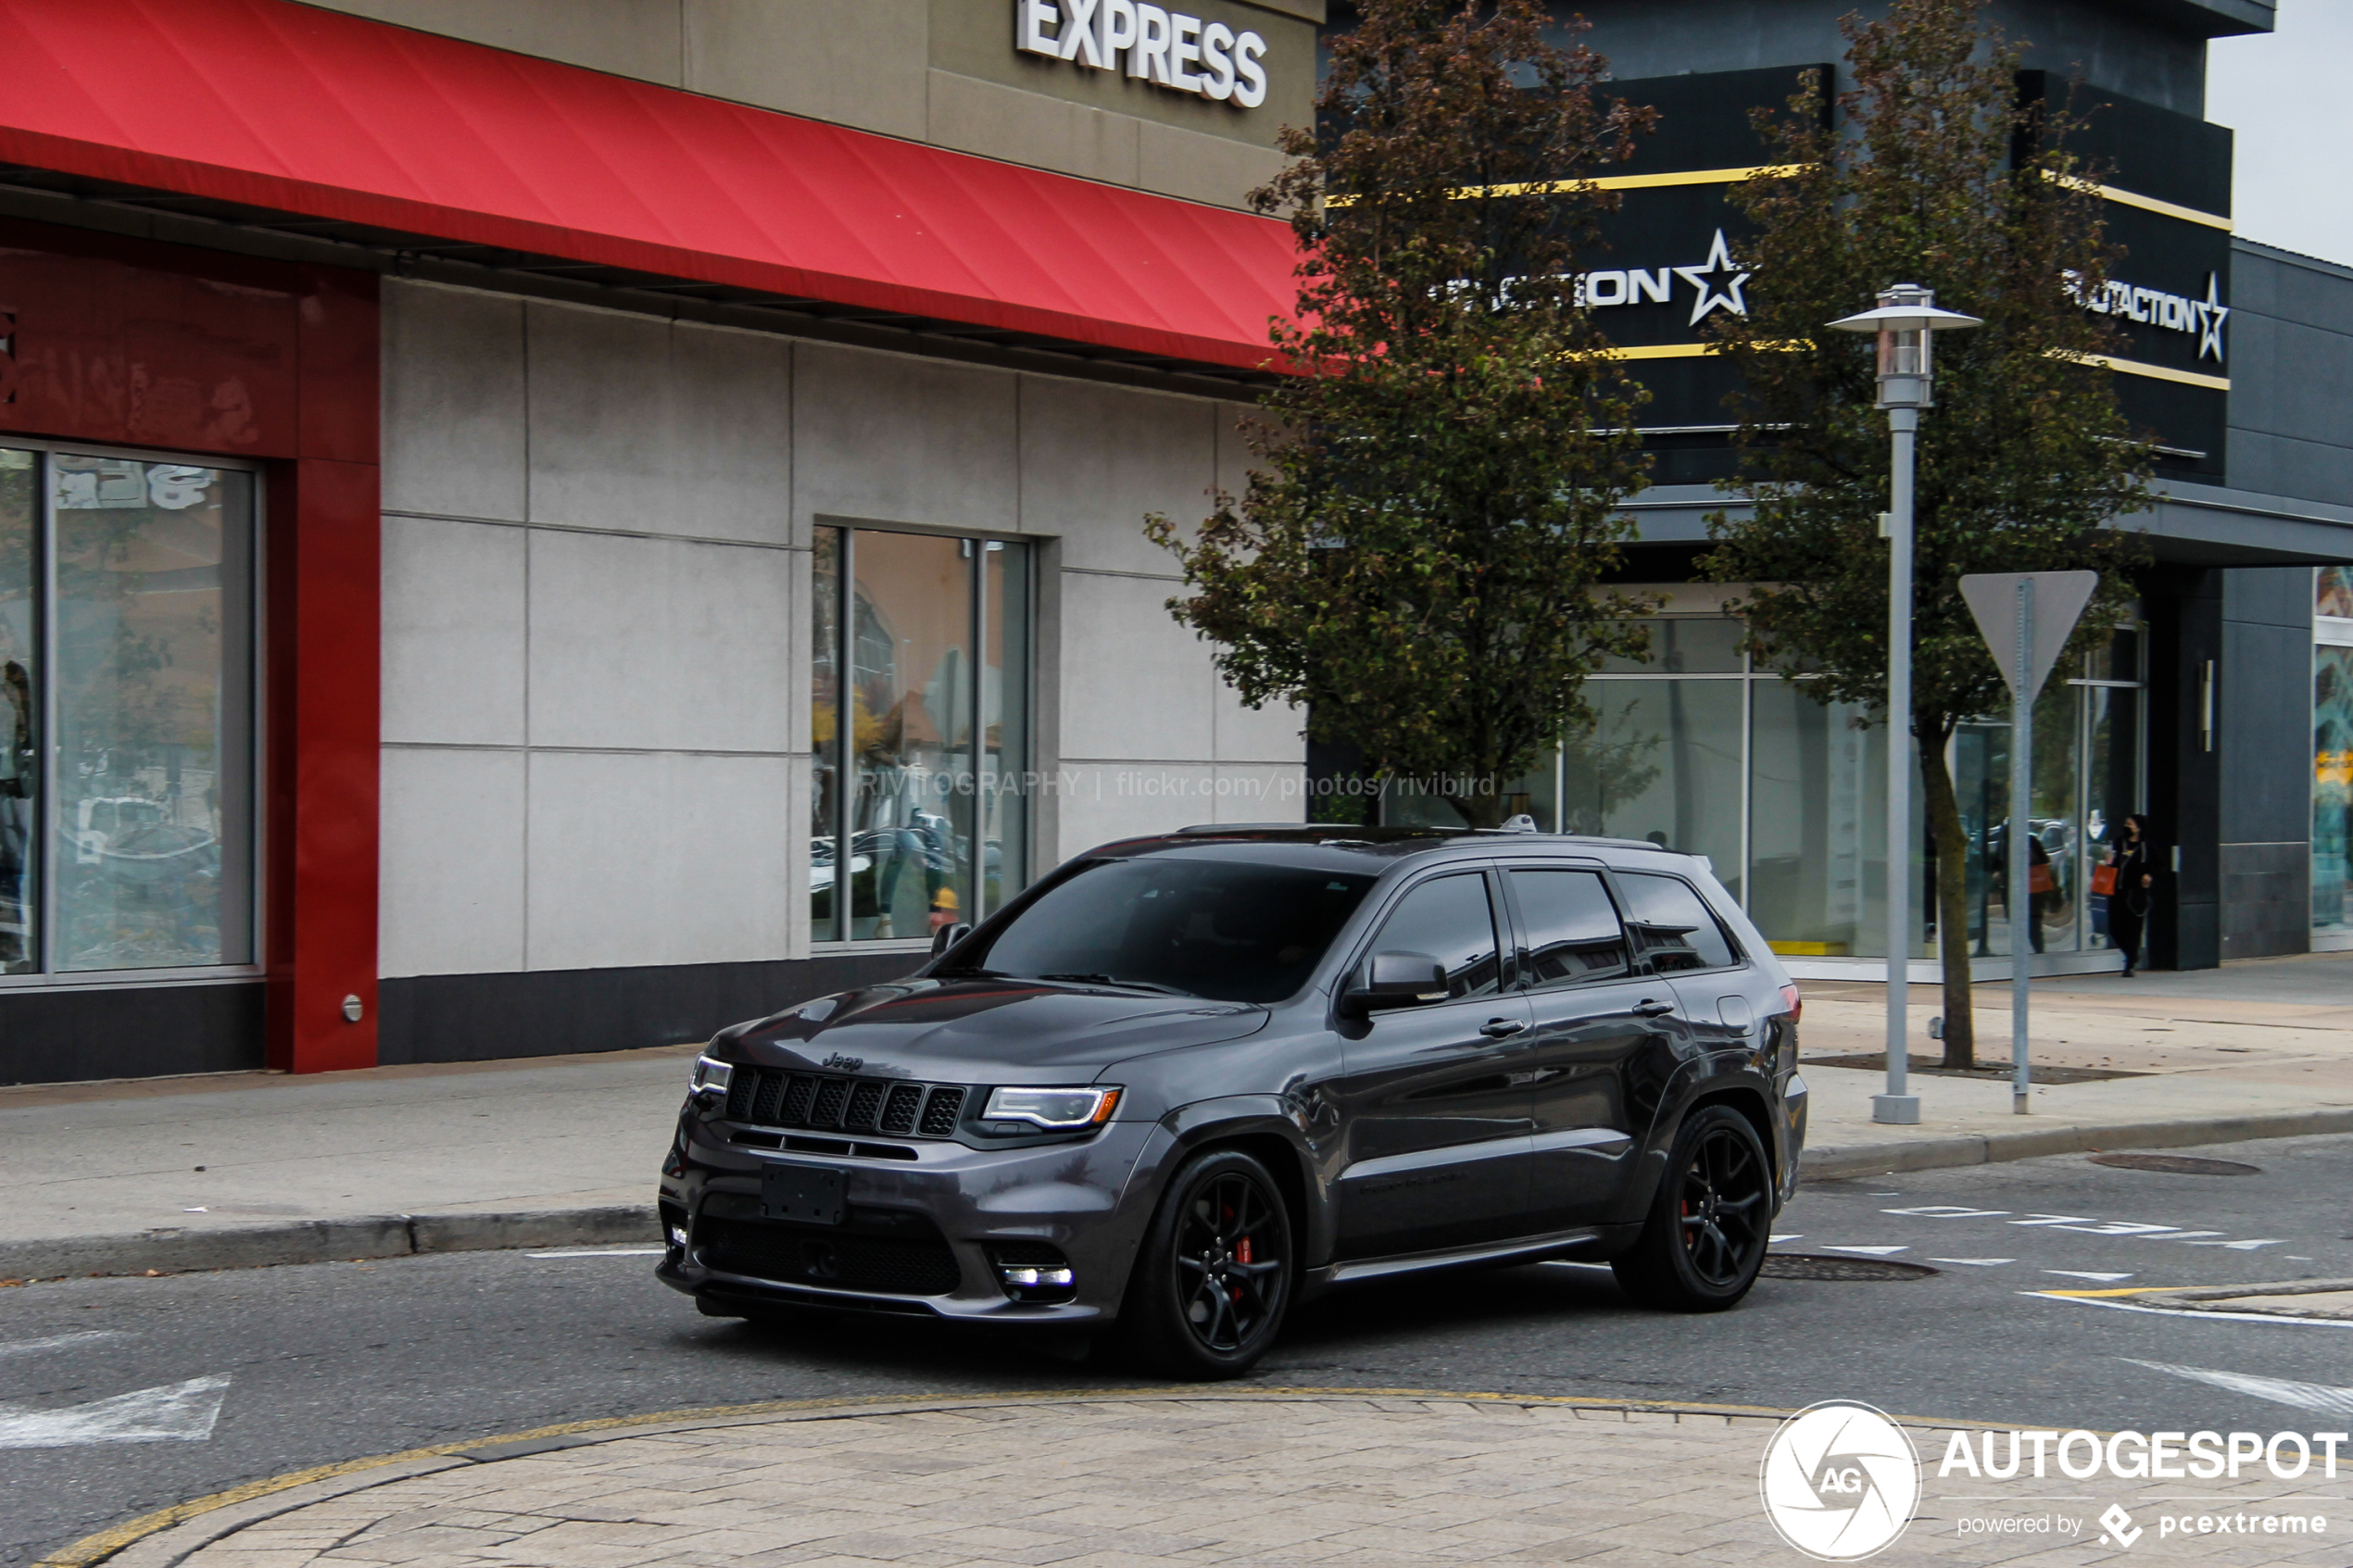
column 1242, row 1255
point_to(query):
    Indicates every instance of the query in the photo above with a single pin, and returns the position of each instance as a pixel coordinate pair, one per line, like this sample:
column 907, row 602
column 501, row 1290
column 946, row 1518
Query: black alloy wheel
column 1709, row 1225
column 1214, row 1279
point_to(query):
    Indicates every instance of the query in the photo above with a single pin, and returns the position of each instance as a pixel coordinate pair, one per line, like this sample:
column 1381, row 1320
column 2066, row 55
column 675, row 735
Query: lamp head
column 1906, row 323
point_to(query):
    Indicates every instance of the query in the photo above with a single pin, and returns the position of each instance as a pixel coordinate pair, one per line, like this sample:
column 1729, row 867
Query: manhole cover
column 2177, row 1164
column 1813, row 1265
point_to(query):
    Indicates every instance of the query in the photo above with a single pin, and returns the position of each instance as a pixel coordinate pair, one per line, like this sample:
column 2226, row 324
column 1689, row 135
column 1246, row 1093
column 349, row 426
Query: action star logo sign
column 1713, row 294
column 1840, row 1481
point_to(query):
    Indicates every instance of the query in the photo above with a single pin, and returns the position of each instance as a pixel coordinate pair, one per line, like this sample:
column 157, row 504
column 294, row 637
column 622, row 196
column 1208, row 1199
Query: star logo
column 1714, row 296
column 2212, row 314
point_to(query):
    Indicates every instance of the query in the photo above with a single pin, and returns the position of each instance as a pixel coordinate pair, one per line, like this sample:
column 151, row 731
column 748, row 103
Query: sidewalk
column 250, row 1169
column 1243, row 1477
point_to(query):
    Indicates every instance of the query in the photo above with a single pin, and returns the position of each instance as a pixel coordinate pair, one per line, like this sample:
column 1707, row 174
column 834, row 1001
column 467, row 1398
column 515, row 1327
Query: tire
column 1216, row 1274
column 1709, row 1224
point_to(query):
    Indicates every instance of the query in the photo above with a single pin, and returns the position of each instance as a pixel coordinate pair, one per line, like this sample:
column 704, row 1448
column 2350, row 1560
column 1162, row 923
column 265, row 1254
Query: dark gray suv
column 1186, row 1081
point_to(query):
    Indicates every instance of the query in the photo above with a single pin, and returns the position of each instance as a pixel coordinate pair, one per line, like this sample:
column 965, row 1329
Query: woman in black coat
column 2133, row 855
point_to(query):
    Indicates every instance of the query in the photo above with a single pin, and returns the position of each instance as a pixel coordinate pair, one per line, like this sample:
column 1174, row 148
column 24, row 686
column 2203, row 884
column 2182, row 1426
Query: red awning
column 275, row 105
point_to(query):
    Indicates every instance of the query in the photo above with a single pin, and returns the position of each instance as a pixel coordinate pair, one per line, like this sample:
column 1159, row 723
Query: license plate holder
column 809, row 1195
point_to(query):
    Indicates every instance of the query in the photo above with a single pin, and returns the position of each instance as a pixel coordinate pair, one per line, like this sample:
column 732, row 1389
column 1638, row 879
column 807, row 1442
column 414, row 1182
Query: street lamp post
column 1906, row 323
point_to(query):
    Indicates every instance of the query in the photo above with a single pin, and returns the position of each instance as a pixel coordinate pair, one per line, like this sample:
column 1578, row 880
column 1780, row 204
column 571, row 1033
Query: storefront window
column 1706, row 752
column 125, row 640
column 918, row 806
column 2333, row 757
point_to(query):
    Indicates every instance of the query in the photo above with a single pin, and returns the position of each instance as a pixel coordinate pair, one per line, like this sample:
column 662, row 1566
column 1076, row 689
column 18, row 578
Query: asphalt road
column 340, row 1361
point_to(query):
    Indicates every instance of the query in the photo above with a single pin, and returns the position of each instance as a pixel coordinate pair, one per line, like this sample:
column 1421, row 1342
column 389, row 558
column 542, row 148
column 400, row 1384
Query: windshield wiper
column 1125, row 984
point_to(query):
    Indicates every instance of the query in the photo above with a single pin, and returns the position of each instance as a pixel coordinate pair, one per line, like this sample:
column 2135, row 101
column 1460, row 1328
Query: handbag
column 2104, row 880
column 2041, row 879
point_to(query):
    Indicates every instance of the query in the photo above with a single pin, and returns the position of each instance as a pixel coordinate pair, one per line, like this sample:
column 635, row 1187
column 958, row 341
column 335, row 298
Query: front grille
column 769, row 1096
column 915, row 1262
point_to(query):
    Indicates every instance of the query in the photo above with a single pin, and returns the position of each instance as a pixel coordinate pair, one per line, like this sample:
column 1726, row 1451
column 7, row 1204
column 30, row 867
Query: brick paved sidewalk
column 1122, row 1482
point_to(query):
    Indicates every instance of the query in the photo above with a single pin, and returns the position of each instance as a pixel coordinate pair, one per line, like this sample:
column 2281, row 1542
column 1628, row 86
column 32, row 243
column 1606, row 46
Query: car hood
column 985, row 1031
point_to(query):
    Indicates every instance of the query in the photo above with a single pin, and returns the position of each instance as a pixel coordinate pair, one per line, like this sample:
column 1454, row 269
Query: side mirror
column 948, row 936
column 1397, row 980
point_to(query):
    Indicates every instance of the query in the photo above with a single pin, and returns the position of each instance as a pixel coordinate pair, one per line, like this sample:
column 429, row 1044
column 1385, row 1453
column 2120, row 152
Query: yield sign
column 2051, row 602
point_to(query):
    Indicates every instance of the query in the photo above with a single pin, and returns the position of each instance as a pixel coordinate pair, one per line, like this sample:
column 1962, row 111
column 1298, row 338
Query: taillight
column 1793, row 1003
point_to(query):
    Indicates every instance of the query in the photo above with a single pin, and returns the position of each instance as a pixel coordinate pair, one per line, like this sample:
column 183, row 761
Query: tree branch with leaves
column 1934, row 173
column 1418, row 556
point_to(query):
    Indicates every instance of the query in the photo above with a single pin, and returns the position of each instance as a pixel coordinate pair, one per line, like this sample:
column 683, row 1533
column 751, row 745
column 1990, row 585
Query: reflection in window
column 917, row 804
column 2331, row 788
column 1449, row 920
column 1674, row 927
column 1661, row 762
column 20, row 681
column 1573, row 932
column 126, row 753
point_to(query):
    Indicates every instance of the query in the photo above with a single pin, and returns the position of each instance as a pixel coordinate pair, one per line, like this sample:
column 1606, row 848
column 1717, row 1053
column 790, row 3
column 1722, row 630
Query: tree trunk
column 1950, row 841
column 1481, row 808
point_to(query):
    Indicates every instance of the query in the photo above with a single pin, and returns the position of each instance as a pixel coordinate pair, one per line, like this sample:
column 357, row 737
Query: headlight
column 1060, row 1110
column 711, row 1075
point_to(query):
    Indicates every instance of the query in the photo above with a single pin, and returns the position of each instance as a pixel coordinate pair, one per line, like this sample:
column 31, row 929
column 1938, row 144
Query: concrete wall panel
column 1095, row 460
column 1151, row 700
column 650, row 427
column 886, row 438
column 853, row 62
column 1103, row 801
column 661, row 643
column 1201, row 167
column 453, row 631
column 453, row 402
column 636, row 38
column 657, row 858
column 1272, row 733
column 450, row 890
column 1003, row 122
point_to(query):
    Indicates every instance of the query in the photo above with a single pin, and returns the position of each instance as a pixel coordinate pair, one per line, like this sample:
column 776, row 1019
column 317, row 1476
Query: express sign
column 1166, row 48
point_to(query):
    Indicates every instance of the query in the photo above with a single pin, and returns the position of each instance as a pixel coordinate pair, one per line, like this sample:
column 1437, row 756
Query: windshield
column 1228, row 931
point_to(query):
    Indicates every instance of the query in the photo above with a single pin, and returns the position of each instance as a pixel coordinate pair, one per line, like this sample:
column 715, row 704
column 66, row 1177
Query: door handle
column 1649, row 1008
column 1501, row 1028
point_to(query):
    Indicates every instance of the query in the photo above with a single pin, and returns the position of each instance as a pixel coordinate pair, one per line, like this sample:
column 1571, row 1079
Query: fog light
column 678, row 1236
column 1033, row 1271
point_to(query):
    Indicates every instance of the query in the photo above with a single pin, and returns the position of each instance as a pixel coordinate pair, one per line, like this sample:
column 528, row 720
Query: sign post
column 2026, row 618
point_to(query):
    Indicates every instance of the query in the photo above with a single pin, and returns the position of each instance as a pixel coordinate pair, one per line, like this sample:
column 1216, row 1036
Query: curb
column 2034, row 1143
column 401, row 1236
column 326, row 1241
column 171, row 1535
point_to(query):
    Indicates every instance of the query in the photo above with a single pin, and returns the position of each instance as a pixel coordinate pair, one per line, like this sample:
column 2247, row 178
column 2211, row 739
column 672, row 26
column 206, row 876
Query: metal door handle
column 1647, row 1007
column 1501, row 1028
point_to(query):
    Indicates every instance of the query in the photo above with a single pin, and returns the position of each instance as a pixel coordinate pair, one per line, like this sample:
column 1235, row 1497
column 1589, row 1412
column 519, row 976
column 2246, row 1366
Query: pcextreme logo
column 1840, row 1481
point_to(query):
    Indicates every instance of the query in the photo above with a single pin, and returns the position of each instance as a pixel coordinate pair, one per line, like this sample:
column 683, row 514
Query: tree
column 1936, row 176
column 1417, row 559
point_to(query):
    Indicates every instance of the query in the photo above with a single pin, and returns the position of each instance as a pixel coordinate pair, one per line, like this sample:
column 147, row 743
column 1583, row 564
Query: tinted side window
column 1572, row 932
column 1674, row 927
column 1448, row 919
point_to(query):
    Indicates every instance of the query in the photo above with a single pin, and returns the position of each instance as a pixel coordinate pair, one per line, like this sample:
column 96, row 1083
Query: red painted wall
column 135, row 343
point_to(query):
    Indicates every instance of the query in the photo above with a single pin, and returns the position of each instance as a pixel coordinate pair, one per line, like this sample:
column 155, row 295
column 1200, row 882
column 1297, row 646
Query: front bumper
column 1077, row 1198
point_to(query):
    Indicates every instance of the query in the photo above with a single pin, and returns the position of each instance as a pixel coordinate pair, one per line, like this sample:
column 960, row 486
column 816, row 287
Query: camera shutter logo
column 1840, row 1481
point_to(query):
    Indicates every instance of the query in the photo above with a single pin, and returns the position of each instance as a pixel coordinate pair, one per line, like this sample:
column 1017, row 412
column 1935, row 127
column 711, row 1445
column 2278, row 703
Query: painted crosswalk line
column 171, row 1412
column 2322, row 1397
column 60, row 1341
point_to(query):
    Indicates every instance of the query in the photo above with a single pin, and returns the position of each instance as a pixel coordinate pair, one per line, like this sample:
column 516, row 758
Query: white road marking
column 59, row 1341
column 2086, row 1273
column 181, row 1412
column 1783, row 1238
column 2185, row 1313
column 2235, row 1245
column 1950, row 1212
column 1871, row 1251
column 605, row 1252
column 2319, row 1396
column 1976, row 1262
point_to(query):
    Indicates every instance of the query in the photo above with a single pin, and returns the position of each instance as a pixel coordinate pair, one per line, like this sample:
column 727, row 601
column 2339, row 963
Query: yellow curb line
column 95, row 1549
